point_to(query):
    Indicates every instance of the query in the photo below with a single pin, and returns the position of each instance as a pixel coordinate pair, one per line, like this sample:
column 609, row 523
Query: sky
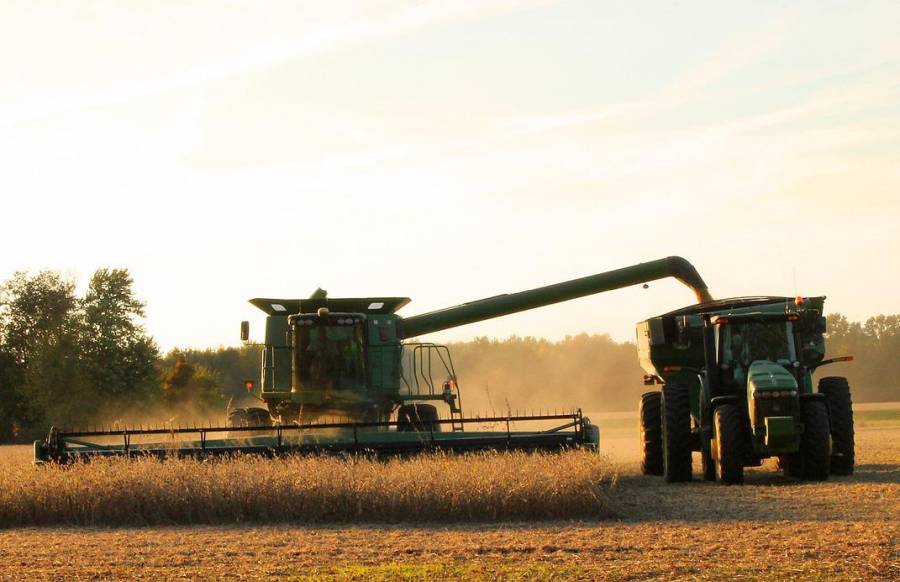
column 448, row 151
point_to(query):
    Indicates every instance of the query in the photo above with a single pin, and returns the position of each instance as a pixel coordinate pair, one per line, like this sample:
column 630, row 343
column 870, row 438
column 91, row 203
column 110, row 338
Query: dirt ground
column 846, row 528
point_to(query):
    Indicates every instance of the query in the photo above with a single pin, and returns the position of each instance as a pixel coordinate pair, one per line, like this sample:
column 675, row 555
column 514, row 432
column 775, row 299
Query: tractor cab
column 744, row 340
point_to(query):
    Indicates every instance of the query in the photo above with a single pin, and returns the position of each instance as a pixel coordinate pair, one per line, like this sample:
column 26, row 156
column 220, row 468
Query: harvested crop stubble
column 427, row 488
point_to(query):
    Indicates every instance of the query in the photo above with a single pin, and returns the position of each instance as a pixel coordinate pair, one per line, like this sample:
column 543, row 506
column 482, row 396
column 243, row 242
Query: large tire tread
column 676, row 433
column 649, row 412
column 814, row 450
column 731, row 441
column 840, row 409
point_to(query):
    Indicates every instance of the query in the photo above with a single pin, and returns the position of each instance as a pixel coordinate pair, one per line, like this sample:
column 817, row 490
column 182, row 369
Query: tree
column 119, row 357
column 188, row 388
column 34, row 310
column 40, row 374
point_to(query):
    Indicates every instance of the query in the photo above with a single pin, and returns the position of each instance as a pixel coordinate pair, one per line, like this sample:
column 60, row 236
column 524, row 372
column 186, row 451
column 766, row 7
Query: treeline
column 593, row 372
column 874, row 374
column 71, row 360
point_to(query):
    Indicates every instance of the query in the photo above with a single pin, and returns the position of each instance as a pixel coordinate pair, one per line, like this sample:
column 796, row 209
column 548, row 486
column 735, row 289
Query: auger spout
column 507, row 304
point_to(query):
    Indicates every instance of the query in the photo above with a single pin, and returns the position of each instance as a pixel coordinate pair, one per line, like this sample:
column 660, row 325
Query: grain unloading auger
column 326, row 358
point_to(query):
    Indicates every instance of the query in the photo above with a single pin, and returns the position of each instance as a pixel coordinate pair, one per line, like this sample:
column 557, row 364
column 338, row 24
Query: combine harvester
column 325, row 358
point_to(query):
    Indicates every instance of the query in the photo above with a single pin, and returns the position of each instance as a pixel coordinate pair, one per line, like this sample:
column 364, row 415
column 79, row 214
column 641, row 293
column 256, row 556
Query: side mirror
column 245, row 331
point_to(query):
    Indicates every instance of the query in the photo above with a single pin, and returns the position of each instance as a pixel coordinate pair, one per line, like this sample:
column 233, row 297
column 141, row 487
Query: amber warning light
column 248, row 384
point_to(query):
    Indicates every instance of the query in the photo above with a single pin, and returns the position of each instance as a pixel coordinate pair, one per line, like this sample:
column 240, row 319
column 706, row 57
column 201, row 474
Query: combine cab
column 736, row 385
column 337, row 376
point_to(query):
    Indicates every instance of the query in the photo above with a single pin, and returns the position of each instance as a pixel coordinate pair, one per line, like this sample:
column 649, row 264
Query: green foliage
column 188, row 385
column 65, row 360
column 232, row 365
column 117, row 353
column 40, row 328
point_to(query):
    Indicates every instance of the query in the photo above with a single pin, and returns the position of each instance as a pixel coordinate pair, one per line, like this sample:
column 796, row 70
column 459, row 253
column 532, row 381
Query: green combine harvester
column 338, row 377
column 737, row 386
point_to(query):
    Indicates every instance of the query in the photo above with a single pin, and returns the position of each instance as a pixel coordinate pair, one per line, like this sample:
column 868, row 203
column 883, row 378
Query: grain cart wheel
column 417, row 417
column 731, row 440
column 651, row 433
column 676, row 433
column 814, row 450
column 840, row 411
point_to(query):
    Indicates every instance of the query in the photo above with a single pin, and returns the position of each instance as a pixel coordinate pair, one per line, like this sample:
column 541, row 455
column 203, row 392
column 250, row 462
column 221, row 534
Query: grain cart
column 333, row 380
column 736, row 385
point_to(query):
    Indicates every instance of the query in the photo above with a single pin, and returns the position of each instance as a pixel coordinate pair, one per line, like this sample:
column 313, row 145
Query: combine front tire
column 731, row 439
column 676, row 433
column 840, row 410
column 418, row 418
column 651, row 433
column 814, row 454
column 258, row 417
column 237, row 417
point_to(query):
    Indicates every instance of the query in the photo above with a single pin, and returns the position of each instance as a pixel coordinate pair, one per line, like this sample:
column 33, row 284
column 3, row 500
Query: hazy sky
column 449, row 151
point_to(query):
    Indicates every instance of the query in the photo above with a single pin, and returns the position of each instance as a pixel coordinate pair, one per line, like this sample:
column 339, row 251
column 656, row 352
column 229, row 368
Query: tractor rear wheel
column 790, row 464
column 676, row 433
column 840, row 410
column 814, row 454
column 417, row 418
column 731, row 440
column 706, row 458
column 651, row 433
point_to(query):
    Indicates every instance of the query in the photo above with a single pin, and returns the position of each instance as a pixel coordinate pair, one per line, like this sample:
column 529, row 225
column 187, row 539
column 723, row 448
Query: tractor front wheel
column 814, row 450
column 730, row 442
column 651, row 433
column 676, row 433
column 840, row 410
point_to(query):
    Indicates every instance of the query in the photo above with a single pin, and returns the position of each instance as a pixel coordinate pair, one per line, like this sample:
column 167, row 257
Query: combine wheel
column 730, row 442
column 651, row 433
column 840, row 410
column 258, row 417
column 417, row 417
column 676, row 433
column 814, row 453
column 237, row 417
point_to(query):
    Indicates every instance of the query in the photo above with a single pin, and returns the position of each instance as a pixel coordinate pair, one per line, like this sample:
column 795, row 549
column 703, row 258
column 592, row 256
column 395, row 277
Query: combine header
column 327, row 358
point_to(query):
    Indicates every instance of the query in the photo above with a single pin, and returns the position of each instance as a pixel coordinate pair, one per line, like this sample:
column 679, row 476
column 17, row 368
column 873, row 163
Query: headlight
column 776, row 393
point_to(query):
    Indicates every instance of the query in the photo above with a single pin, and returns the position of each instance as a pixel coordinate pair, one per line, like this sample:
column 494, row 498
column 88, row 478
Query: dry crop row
column 426, row 488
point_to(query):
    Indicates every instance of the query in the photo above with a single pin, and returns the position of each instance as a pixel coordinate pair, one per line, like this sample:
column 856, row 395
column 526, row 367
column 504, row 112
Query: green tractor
column 736, row 379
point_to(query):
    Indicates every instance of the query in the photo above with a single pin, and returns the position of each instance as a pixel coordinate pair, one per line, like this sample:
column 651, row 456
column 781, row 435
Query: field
column 846, row 528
